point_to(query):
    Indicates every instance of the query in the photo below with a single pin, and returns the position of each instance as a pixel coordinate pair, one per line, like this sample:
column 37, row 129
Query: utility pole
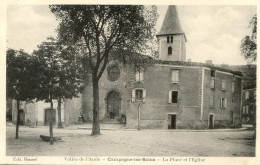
column 139, row 105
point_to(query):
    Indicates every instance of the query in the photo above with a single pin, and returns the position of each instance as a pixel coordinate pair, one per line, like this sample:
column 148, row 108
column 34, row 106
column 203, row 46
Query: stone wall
column 222, row 116
column 157, row 82
column 34, row 112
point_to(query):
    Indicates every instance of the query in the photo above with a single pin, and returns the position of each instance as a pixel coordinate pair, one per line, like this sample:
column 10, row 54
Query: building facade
column 36, row 113
column 249, row 106
column 170, row 94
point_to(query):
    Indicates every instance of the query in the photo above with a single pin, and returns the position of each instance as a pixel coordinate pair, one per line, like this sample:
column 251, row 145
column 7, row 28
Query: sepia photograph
column 130, row 83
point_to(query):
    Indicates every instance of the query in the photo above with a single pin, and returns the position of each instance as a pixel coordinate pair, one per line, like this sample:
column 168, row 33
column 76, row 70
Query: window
column 138, row 94
column 247, row 95
column 244, row 109
column 168, row 39
column 247, row 110
column 212, row 73
column 175, row 76
column 233, row 87
column 113, row 73
column 212, row 83
column 223, row 85
column 223, row 103
column 211, row 102
column 232, row 100
column 173, row 97
column 139, row 76
column 169, row 50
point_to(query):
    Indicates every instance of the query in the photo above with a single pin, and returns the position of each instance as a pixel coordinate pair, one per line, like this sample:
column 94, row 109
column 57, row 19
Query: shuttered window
column 175, row 76
column 139, row 76
column 223, row 85
column 247, row 95
column 244, row 110
column 138, row 94
column 212, row 83
column 223, row 103
column 247, row 109
column 173, row 97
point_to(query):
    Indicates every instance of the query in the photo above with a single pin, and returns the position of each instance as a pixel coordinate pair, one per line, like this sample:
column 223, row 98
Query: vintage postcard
column 129, row 82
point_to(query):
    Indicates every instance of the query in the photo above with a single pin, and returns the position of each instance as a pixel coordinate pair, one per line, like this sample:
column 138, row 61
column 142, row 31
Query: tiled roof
column 211, row 66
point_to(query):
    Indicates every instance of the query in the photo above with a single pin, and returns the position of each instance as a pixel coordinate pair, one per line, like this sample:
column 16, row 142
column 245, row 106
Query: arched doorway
column 113, row 104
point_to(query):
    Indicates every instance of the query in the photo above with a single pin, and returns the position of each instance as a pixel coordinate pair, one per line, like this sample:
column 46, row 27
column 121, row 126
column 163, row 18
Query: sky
column 213, row 32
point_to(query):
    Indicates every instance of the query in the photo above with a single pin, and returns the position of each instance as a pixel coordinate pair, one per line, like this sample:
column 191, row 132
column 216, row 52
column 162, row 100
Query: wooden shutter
column 170, row 97
column 137, row 78
column 141, row 76
column 175, row 76
column 144, row 94
column 212, row 82
column 223, row 85
column 225, row 103
column 133, row 95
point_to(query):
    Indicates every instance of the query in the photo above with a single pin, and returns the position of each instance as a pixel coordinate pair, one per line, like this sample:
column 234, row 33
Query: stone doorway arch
column 113, row 100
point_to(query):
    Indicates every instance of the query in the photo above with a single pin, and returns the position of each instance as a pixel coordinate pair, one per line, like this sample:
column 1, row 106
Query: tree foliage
column 21, row 75
column 249, row 43
column 60, row 79
column 99, row 30
column 21, row 78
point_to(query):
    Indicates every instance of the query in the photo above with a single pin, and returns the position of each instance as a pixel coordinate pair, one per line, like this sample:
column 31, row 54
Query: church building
column 171, row 94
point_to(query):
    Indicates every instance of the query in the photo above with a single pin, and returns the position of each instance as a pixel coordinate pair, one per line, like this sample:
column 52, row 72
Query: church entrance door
column 113, row 104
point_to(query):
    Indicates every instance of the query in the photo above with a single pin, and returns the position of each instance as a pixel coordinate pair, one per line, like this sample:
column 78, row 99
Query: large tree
column 22, row 72
column 60, row 78
column 249, row 43
column 102, row 29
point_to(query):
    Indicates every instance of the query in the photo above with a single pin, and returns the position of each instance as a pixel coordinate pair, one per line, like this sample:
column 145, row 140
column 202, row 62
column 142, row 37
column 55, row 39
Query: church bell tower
column 172, row 40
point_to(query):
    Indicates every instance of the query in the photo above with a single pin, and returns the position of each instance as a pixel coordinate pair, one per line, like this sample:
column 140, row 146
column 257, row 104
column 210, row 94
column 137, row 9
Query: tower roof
column 171, row 23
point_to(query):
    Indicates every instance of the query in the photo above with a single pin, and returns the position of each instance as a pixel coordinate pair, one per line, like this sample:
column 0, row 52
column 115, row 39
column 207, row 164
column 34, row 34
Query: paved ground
column 120, row 142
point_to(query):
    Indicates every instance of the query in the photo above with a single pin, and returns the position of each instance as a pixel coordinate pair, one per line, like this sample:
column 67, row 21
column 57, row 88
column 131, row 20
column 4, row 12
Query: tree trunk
column 96, row 126
column 51, row 129
column 59, row 113
column 17, row 119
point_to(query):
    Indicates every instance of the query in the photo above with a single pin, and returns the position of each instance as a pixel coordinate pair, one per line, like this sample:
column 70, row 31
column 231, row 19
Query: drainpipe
column 139, row 116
